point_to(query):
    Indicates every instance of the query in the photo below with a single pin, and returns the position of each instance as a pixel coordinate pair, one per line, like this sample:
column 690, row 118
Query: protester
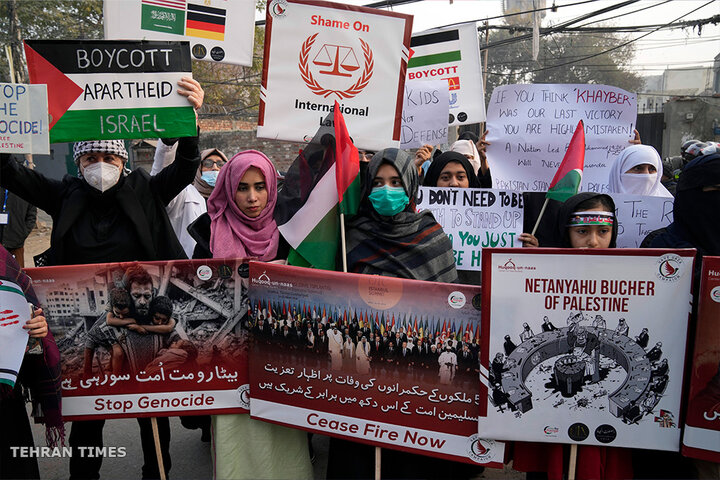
column 40, row 373
column 638, row 171
column 191, row 202
column 476, row 157
column 240, row 216
column 585, row 220
column 17, row 219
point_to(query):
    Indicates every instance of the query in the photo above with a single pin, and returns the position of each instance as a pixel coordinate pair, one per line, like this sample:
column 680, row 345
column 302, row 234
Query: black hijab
column 436, row 167
column 571, row 205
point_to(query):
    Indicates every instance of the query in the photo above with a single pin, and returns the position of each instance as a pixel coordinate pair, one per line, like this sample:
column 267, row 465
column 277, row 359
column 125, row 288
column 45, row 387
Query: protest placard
column 112, row 89
column 638, row 215
column 701, row 434
column 584, row 346
column 149, row 338
column 425, row 111
column 218, row 30
column 372, row 359
column 474, row 219
column 451, row 54
column 24, row 119
column 319, row 52
column 530, row 127
column 14, row 313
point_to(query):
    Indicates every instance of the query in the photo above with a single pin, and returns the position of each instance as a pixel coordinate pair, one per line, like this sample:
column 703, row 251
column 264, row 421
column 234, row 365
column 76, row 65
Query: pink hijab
column 232, row 233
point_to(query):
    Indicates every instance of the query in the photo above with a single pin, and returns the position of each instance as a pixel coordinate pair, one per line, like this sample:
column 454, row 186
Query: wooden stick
column 573, row 462
column 378, row 458
column 342, row 241
column 158, row 450
column 542, row 211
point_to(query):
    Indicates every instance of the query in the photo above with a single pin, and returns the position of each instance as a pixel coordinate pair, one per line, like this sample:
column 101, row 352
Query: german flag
column 205, row 22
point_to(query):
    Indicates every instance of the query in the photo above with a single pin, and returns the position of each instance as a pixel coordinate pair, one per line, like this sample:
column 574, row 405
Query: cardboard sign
column 218, row 30
column 101, row 90
column 14, row 313
column 24, row 119
column 196, row 365
column 452, row 54
column 474, row 219
column 701, row 437
column 530, row 127
column 311, row 368
column 425, row 111
column 639, row 215
column 318, row 52
column 585, row 346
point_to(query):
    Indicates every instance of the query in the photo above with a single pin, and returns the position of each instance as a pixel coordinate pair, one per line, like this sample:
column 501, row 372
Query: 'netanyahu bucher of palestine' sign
column 113, row 89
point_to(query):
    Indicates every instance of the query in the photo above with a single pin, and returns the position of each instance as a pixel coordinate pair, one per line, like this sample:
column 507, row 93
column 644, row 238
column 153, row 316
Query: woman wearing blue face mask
column 192, row 201
column 387, row 237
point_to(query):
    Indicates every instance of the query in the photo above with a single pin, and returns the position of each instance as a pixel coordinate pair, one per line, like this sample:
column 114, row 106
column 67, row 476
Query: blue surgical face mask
column 209, row 177
column 388, row 201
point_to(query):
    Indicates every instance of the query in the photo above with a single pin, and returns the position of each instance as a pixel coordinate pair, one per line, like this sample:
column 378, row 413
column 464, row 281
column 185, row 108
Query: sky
column 676, row 48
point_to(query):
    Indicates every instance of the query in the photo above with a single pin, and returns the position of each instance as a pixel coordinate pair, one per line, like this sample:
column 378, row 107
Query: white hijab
column 467, row 147
column 638, row 184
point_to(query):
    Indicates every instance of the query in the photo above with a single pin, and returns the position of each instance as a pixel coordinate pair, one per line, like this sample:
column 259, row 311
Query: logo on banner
column 333, row 63
column 551, row 431
column 244, row 395
column 456, row 299
column 510, row 266
column 715, row 294
column 204, row 272
column 278, row 8
column 669, row 267
column 480, row 450
column 665, row 419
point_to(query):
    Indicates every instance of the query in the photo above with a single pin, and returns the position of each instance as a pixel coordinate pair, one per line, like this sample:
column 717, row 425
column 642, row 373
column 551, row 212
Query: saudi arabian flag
column 321, row 182
column 567, row 179
column 102, row 90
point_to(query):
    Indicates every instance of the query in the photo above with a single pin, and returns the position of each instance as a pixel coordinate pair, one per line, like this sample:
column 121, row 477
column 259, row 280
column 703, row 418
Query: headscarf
column 629, row 158
column 232, row 233
column 466, row 147
column 436, row 167
column 570, row 206
column 39, row 373
column 406, row 245
column 696, row 214
column 201, row 185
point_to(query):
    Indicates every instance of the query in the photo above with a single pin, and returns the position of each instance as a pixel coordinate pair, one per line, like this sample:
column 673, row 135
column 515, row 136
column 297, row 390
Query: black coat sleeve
column 31, row 186
column 179, row 174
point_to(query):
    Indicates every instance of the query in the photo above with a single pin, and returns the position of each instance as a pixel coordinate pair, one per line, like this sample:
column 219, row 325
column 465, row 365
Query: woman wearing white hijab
column 478, row 161
column 638, row 171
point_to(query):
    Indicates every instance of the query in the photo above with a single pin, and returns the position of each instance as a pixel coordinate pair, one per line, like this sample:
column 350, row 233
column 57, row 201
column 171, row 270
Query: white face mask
column 638, row 183
column 101, row 176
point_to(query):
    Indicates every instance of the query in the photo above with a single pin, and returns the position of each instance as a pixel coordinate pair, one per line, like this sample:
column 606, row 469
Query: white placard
column 425, row 113
column 530, row 127
column 14, row 313
column 24, row 125
column 639, row 215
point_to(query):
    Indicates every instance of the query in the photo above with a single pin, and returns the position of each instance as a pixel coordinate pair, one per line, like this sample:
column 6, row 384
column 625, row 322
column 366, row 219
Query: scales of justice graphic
column 336, row 57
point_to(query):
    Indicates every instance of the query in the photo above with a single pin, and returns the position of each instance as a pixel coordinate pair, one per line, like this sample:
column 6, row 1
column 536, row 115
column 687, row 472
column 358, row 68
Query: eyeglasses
column 209, row 162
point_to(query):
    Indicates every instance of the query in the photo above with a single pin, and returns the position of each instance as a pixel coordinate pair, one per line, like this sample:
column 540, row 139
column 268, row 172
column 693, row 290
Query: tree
column 563, row 59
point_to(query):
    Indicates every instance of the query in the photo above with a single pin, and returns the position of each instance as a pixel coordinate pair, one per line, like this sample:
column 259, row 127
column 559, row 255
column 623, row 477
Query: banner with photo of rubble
column 148, row 338
column 379, row 360
column 584, row 346
column 701, row 433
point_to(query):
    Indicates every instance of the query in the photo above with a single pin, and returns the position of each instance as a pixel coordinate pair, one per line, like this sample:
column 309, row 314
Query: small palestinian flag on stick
column 566, row 181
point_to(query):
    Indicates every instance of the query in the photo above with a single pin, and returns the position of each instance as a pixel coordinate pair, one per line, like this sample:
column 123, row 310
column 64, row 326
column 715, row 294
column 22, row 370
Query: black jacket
column 140, row 197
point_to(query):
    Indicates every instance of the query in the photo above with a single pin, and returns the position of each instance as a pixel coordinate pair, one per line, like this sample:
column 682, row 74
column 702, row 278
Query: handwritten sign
column 24, row 126
column 14, row 312
column 639, row 215
column 425, row 113
column 195, row 364
column 474, row 219
column 385, row 361
column 585, row 346
column 530, row 127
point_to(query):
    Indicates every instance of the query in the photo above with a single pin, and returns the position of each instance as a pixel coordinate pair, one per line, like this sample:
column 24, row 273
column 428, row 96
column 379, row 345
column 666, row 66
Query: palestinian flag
column 435, row 48
column 167, row 16
column 205, row 22
column 567, row 179
column 321, row 183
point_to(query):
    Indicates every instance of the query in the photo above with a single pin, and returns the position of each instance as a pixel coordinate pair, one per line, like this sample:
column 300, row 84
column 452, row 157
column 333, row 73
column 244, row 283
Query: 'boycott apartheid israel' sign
column 317, row 53
column 530, row 126
column 113, row 89
column 24, row 119
column 475, row 218
column 451, row 54
column 218, row 30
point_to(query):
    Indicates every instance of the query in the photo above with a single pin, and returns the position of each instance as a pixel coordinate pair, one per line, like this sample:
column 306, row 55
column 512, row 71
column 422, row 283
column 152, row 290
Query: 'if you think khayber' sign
column 317, row 53
column 113, row 89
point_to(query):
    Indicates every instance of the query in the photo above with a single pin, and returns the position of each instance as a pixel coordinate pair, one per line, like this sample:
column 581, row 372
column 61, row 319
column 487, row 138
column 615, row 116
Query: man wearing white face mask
column 638, row 170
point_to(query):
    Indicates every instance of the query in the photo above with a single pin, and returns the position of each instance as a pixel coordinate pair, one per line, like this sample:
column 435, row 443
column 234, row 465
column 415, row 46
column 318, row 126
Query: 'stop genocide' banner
column 317, row 53
column 218, row 30
column 451, row 54
column 112, row 89
column 24, row 119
